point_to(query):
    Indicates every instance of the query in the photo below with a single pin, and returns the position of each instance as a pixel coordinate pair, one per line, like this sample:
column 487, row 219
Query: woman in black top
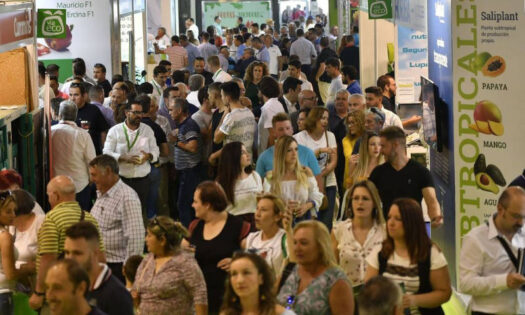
column 215, row 236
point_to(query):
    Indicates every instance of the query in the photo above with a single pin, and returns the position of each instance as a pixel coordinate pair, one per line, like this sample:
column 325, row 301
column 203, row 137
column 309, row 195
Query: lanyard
column 217, row 73
column 157, row 87
column 127, row 138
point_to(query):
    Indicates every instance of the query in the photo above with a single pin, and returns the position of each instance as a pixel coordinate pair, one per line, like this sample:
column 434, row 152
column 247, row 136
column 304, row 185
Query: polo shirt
column 354, row 88
column 221, row 76
column 52, row 233
column 110, row 295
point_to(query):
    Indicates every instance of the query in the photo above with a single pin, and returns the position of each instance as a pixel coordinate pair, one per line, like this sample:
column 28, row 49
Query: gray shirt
column 304, row 49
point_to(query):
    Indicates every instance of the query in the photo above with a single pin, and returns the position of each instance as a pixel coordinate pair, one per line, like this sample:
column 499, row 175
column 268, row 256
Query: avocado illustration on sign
column 487, row 119
column 490, row 66
column 489, row 177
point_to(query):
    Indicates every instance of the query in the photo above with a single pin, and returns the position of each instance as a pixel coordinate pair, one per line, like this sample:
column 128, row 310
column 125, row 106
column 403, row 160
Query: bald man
column 306, row 99
column 65, row 211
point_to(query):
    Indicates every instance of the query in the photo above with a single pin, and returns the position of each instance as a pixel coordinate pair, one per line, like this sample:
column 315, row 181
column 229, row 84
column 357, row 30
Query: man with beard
column 199, row 66
column 388, row 86
column 401, row 177
column 118, row 101
column 133, row 145
column 106, row 292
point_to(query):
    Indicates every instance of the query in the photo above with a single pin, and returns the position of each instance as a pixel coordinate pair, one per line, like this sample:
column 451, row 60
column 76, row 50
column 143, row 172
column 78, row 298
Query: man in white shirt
column 275, row 65
column 196, row 82
column 291, row 90
column 219, row 75
column 72, row 150
column 294, row 71
column 162, row 38
column 160, row 74
column 191, row 26
column 239, row 124
column 373, row 95
column 333, row 70
column 486, row 269
column 133, row 145
column 269, row 88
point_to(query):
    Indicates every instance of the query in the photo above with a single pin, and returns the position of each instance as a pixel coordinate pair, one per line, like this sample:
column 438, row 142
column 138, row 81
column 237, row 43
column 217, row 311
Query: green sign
column 250, row 11
column 379, row 9
column 51, row 23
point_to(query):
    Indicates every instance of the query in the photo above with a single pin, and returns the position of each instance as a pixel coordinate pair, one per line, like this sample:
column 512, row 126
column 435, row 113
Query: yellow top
column 348, row 147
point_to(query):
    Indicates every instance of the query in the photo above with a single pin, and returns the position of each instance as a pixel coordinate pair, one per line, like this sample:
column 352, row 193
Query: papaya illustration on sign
column 51, row 23
column 380, row 9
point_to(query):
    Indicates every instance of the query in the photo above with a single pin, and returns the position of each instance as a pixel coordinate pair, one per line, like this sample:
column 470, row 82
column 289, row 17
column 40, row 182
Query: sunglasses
column 157, row 223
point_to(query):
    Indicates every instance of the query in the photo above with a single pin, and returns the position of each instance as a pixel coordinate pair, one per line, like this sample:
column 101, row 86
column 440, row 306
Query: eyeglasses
column 136, row 112
column 5, row 194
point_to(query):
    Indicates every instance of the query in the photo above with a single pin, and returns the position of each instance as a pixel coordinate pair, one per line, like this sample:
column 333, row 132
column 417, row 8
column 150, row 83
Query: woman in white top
column 270, row 240
column 293, row 183
column 363, row 231
column 410, row 258
column 25, row 230
column 240, row 183
column 317, row 137
column 8, row 254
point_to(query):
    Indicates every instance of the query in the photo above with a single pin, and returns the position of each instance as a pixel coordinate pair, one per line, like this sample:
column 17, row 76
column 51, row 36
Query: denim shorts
column 6, row 303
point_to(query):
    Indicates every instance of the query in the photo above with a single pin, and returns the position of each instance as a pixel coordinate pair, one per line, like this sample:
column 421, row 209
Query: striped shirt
column 178, row 56
column 188, row 131
column 119, row 214
column 52, row 234
column 239, row 125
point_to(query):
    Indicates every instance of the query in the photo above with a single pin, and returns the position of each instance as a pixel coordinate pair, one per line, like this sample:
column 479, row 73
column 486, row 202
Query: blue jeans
column 189, row 179
column 327, row 216
column 151, row 203
column 6, row 303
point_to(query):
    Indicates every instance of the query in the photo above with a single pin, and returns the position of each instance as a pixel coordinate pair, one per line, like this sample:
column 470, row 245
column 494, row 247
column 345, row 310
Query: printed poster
column 489, row 42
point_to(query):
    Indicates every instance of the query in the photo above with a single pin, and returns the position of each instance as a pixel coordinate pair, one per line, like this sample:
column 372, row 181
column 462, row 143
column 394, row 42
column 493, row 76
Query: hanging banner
column 412, row 49
column 51, row 23
column 379, row 9
column 489, row 41
column 87, row 34
column 250, row 11
column 16, row 26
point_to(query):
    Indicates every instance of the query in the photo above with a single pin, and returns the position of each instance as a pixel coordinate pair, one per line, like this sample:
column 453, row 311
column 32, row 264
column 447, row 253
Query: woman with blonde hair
column 317, row 137
column 293, row 183
column 355, row 122
column 270, row 239
column 361, row 165
column 316, row 285
column 364, row 230
column 253, row 75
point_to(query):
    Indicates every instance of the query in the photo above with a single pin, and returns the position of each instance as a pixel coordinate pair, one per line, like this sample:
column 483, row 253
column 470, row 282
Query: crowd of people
column 250, row 175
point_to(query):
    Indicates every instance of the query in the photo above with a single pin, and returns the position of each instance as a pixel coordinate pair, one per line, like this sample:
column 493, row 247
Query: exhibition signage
column 51, row 23
column 251, row 12
column 15, row 26
column 87, row 33
column 379, row 9
column 489, row 41
column 412, row 49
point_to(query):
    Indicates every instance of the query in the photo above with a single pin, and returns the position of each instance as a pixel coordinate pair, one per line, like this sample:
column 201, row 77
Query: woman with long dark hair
column 240, row 183
column 249, row 289
column 409, row 257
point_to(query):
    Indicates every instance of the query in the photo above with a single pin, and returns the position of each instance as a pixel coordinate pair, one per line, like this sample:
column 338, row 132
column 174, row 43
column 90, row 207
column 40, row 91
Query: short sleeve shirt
column 408, row 182
column 160, row 136
column 239, row 125
column 188, row 131
column 304, row 138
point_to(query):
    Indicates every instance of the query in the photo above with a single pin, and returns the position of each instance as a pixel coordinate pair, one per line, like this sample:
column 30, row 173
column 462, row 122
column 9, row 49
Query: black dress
column 209, row 252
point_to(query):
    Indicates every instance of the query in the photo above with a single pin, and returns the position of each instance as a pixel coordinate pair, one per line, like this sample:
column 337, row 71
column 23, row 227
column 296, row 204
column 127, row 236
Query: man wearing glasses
column 133, row 145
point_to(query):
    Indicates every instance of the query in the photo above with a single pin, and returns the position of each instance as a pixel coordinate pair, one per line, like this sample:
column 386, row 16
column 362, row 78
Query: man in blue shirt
column 350, row 77
column 192, row 50
column 263, row 54
column 282, row 126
